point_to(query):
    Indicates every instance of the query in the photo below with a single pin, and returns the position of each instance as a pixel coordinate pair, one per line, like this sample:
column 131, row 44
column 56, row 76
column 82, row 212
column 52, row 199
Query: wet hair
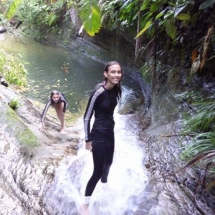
column 54, row 92
column 117, row 88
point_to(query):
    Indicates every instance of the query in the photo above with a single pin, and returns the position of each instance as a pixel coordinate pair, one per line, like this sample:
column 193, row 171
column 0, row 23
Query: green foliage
column 122, row 12
column 201, row 126
column 13, row 104
column 170, row 28
column 28, row 138
column 206, row 4
column 166, row 13
column 146, row 71
column 18, row 129
column 12, row 69
column 11, row 11
column 38, row 14
column 202, row 144
column 147, row 26
column 93, row 13
column 203, row 118
column 90, row 15
column 162, row 70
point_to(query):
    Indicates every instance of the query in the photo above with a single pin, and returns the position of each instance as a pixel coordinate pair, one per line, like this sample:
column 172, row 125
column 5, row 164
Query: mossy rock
column 16, row 127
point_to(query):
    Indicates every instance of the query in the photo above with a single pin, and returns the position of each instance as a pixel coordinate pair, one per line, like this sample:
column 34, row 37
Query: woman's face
column 114, row 74
column 55, row 98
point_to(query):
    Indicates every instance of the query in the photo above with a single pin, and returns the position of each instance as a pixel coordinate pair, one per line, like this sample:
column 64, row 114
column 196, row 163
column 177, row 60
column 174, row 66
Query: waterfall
column 126, row 181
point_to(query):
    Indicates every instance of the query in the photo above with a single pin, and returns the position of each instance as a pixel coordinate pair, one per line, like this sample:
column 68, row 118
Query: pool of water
column 51, row 68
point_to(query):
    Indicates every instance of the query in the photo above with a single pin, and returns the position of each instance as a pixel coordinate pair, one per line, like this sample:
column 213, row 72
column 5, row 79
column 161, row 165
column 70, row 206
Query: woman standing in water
column 59, row 102
column 100, row 140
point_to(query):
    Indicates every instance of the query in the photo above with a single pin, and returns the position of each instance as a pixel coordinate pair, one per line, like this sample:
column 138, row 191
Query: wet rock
column 4, row 146
column 2, row 29
column 169, row 183
column 27, row 164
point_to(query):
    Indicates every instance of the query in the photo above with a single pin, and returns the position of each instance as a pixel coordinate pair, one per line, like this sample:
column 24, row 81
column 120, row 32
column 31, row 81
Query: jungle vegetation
column 174, row 39
column 12, row 69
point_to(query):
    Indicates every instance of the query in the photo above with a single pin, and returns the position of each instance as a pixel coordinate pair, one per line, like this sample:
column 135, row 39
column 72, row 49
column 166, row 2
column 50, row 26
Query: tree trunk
column 138, row 40
column 154, row 69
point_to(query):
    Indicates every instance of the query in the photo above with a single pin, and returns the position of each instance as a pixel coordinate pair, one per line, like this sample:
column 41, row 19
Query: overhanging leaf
column 145, row 4
column 178, row 10
column 154, row 7
column 148, row 25
column 90, row 16
column 206, row 4
column 159, row 15
column 171, row 29
column 183, row 16
column 12, row 9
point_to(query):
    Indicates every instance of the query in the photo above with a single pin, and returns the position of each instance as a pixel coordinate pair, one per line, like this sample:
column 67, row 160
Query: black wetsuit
column 51, row 102
column 102, row 103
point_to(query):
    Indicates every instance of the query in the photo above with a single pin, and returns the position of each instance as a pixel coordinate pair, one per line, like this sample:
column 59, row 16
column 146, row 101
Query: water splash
column 126, row 181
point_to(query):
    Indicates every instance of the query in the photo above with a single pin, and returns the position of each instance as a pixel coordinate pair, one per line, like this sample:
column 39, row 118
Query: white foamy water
column 126, row 180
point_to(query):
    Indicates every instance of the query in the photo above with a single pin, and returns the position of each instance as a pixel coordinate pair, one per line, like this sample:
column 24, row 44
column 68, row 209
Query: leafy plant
column 12, row 9
column 13, row 104
column 201, row 117
column 202, row 146
column 165, row 13
column 37, row 14
column 202, row 128
column 12, row 69
column 90, row 15
column 206, row 4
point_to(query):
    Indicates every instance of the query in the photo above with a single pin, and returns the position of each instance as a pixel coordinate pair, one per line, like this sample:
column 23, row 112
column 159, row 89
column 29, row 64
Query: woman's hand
column 88, row 146
column 41, row 127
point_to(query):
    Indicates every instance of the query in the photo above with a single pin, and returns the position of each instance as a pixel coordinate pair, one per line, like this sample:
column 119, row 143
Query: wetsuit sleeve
column 64, row 107
column 45, row 110
column 63, row 99
column 89, row 113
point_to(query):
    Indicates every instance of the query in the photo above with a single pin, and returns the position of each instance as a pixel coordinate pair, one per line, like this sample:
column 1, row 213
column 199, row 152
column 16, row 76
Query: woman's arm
column 89, row 112
column 87, row 118
column 88, row 145
column 63, row 99
column 44, row 114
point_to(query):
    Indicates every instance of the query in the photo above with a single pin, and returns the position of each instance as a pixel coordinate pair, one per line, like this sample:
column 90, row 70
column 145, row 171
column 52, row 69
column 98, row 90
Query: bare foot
column 84, row 210
column 62, row 131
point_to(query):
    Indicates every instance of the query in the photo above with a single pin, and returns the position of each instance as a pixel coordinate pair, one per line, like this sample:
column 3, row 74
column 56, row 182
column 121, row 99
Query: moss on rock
column 17, row 128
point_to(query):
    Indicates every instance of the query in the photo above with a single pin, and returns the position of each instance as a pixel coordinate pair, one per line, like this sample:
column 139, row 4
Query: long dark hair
column 54, row 92
column 117, row 88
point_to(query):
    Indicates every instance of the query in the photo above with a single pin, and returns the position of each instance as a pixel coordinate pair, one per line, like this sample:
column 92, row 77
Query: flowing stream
column 47, row 184
column 75, row 75
column 126, row 180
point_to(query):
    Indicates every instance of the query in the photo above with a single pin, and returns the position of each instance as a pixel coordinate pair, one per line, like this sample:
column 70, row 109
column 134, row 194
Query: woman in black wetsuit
column 59, row 102
column 100, row 140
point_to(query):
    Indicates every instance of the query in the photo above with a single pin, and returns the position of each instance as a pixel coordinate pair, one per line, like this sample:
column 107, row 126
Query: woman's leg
column 59, row 109
column 98, row 160
column 108, row 159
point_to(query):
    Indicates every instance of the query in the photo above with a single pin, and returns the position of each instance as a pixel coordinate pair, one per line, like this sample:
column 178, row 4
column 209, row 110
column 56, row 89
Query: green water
column 70, row 72
column 46, row 67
